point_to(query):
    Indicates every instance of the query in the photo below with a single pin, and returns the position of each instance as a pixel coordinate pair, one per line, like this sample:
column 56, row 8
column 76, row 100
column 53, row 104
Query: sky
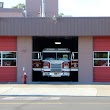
column 75, row 7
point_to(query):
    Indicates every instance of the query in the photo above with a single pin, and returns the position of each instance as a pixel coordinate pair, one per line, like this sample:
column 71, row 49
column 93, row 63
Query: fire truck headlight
column 46, row 65
column 65, row 65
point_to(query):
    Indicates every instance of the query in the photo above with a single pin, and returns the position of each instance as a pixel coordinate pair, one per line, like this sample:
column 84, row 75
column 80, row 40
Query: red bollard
column 24, row 77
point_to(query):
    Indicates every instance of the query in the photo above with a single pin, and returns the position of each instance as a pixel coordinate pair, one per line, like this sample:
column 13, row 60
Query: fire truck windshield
column 56, row 56
column 63, row 56
column 49, row 56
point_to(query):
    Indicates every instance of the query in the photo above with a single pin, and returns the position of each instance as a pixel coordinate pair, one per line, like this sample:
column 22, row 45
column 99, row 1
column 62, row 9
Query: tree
column 61, row 14
column 20, row 6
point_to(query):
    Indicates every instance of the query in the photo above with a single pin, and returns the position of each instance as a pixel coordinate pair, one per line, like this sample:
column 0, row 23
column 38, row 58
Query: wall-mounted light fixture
column 57, row 42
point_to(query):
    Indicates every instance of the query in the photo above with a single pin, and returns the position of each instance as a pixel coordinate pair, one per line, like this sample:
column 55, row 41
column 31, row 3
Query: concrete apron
column 54, row 89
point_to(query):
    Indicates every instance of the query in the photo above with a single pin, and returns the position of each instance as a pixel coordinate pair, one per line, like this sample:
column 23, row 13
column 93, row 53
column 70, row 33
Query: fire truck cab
column 54, row 62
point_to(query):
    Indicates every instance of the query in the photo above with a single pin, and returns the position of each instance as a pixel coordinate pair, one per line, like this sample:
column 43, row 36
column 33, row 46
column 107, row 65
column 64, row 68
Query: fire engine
column 55, row 62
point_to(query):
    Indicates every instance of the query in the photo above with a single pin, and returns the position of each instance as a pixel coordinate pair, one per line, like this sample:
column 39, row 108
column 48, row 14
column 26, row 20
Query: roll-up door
column 8, row 58
column 101, row 60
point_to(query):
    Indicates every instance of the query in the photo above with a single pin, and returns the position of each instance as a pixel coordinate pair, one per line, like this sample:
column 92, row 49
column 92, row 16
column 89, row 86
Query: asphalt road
column 53, row 103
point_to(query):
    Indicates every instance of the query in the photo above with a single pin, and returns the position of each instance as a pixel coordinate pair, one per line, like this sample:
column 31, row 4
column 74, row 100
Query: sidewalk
column 55, row 89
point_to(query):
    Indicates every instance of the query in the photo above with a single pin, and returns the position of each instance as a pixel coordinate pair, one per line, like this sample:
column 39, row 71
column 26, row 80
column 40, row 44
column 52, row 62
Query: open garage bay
column 39, row 43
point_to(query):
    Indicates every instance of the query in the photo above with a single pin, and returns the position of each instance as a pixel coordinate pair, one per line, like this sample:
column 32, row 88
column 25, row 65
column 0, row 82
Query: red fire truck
column 55, row 62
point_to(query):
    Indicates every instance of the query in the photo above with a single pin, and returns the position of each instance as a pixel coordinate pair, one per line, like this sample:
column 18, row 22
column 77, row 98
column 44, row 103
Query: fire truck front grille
column 55, row 67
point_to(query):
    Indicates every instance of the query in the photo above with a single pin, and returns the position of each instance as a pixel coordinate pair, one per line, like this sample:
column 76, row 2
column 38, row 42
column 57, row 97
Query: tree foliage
column 20, row 6
column 61, row 14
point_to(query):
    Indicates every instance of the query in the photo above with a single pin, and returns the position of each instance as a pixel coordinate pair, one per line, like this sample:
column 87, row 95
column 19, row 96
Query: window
column 7, row 58
column 36, row 55
column 100, row 54
column 101, row 59
column 9, row 54
column 75, row 55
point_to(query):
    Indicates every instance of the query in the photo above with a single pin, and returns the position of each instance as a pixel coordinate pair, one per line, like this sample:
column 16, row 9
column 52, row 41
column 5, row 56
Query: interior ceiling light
column 57, row 42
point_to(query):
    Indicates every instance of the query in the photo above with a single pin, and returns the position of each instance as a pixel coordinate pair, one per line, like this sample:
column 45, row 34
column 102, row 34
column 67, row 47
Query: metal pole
column 43, row 8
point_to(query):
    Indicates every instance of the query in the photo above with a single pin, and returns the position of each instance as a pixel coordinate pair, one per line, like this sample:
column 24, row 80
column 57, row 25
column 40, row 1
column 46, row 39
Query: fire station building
column 87, row 37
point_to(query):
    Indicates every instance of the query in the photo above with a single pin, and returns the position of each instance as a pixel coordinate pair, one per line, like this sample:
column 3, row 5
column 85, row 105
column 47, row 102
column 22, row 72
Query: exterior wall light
column 57, row 42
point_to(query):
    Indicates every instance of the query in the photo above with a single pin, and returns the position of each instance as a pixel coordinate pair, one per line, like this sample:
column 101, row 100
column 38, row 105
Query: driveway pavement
column 56, row 89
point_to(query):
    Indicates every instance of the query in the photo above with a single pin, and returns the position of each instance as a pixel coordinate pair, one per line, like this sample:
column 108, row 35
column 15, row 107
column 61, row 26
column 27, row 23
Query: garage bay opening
column 55, row 59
